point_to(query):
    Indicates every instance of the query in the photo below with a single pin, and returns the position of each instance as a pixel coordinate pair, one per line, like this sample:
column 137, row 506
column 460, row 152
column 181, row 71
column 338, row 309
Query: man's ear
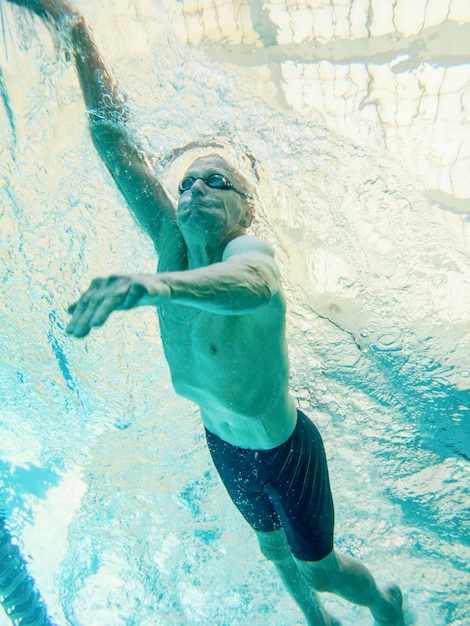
column 248, row 215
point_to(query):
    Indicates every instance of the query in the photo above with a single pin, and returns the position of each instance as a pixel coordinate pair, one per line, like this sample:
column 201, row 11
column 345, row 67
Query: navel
column 213, row 349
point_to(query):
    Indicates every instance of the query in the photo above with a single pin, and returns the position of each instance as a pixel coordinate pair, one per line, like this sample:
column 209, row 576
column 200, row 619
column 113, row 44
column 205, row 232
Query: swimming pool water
column 105, row 478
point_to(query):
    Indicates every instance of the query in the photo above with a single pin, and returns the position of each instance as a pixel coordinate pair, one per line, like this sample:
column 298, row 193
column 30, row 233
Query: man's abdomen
column 235, row 368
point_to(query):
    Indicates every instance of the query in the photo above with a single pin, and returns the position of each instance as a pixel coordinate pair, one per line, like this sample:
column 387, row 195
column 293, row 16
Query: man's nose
column 198, row 187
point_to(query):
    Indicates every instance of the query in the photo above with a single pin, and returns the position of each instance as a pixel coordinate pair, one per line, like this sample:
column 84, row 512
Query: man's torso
column 235, row 367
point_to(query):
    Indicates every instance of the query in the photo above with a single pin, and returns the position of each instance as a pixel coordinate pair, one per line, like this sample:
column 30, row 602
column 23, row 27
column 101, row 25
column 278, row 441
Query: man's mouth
column 198, row 206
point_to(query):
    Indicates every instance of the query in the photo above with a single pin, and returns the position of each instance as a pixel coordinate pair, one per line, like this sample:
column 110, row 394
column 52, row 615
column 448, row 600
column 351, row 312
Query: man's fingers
column 79, row 325
column 133, row 296
column 102, row 298
column 82, row 312
column 76, row 310
column 104, row 310
column 33, row 5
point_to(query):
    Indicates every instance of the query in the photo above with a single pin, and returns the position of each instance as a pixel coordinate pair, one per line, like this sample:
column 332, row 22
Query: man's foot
column 388, row 610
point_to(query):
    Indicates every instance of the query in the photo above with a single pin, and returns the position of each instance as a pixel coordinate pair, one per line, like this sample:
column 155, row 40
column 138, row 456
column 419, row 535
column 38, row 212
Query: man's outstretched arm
column 244, row 281
column 109, row 126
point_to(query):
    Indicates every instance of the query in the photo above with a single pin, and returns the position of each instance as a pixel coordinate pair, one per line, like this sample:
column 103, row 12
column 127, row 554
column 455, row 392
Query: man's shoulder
column 247, row 244
column 259, row 252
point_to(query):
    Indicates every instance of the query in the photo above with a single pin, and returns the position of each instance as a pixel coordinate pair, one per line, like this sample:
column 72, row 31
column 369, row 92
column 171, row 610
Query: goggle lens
column 215, row 181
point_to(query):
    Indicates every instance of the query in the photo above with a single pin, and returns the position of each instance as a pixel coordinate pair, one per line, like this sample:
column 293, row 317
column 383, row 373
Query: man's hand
column 47, row 9
column 115, row 293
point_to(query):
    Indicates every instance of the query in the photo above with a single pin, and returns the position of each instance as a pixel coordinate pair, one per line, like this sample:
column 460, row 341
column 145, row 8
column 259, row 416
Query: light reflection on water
column 393, row 75
column 377, row 278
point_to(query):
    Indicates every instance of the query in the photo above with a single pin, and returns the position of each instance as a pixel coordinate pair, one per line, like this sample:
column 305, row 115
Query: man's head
column 213, row 195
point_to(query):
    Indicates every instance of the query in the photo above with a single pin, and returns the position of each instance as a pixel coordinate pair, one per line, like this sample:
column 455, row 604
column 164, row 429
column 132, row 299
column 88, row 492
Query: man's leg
column 346, row 577
column 275, row 548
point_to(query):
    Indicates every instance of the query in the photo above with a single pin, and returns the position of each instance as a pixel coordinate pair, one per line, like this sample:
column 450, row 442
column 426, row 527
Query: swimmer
column 222, row 313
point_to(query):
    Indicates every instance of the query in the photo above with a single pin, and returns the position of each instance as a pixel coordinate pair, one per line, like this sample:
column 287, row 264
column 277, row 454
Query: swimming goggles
column 214, row 181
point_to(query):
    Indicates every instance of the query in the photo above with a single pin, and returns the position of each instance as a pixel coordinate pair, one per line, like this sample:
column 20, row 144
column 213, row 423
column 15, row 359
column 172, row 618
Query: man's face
column 206, row 205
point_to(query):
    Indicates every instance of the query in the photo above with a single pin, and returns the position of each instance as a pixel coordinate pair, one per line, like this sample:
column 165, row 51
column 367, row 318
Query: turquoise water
column 106, row 482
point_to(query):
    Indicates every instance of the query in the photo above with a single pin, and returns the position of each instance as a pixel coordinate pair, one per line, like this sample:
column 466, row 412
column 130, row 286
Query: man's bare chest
column 194, row 338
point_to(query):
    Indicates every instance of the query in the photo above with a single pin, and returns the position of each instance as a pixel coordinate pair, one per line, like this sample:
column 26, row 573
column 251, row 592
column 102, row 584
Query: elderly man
column 222, row 320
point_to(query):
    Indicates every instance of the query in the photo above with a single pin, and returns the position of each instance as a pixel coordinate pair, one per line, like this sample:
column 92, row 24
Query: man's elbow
column 110, row 137
column 267, row 293
column 267, row 285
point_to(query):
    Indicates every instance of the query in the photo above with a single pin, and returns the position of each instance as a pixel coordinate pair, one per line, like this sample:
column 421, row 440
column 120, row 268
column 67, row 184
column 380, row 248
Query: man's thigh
column 299, row 489
column 273, row 544
column 274, row 547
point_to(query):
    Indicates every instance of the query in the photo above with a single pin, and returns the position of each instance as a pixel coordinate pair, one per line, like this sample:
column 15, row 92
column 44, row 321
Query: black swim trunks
column 286, row 486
